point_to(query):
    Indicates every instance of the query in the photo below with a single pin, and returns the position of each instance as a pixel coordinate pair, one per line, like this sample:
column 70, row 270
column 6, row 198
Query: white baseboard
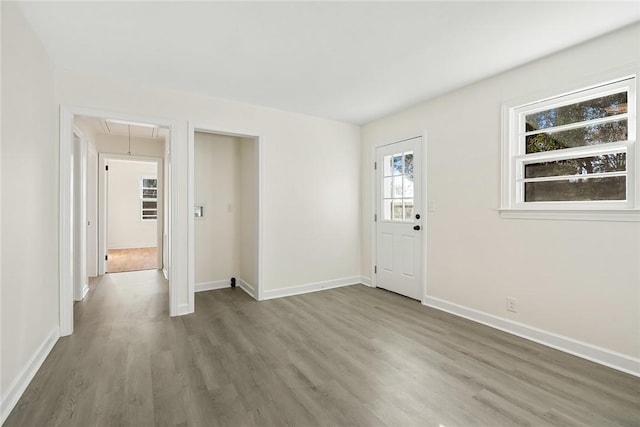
column 165, row 272
column 366, row 281
column 581, row 349
column 248, row 288
column 85, row 291
column 311, row 287
column 213, row 285
column 11, row 396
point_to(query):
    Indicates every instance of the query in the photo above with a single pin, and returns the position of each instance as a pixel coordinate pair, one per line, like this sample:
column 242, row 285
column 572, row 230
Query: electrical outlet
column 512, row 304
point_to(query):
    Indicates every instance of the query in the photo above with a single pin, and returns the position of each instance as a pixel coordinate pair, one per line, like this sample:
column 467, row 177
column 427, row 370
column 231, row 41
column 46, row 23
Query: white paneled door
column 399, row 231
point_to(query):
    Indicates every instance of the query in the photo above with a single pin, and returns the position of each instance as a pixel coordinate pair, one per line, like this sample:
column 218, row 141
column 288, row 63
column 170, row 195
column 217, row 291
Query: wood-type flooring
column 135, row 259
column 352, row 356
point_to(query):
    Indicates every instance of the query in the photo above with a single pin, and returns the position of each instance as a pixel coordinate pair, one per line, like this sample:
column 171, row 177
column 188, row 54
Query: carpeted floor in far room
column 132, row 259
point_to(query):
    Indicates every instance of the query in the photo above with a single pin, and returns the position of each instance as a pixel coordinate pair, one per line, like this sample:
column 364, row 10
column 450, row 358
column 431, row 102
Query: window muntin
column 397, row 187
column 149, row 199
column 574, row 151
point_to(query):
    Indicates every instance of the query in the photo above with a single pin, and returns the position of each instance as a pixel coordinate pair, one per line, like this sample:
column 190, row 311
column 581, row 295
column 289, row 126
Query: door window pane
column 397, row 186
column 397, row 164
column 408, row 163
column 408, row 209
column 397, row 209
column 408, row 186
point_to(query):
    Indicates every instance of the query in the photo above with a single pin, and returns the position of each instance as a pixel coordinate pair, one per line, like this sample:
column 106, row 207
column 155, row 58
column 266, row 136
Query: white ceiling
column 106, row 127
column 347, row 61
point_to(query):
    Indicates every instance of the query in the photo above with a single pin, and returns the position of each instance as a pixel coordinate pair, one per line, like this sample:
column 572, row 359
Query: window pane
column 587, row 135
column 580, row 189
column 581, row 166
column 397, row 186
column 386, row 210
column 408, row 186
column 150, row 183
column 387, row 186
column 397, row 164
column 397, row 209
column 386, row 165
column 149, row 194
column 408, row 163
column 408, row 209
column 149, row 205
column 605, row 106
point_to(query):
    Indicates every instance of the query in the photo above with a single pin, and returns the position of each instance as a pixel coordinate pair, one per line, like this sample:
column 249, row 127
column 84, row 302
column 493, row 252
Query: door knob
column 416, row 227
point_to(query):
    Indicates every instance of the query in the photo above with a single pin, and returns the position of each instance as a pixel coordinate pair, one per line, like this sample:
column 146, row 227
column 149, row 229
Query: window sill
column 626, row 215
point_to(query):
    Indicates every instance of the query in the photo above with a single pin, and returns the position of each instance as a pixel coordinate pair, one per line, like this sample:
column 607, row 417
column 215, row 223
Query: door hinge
column 375, row 269
column 375, row 217
column 375, row 165
column 106, row 167
column 106, row 257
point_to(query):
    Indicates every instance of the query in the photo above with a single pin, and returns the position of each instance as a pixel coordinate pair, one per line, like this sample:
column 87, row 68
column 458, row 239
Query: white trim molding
column 366, row 281
column 514, row 157
column 248, row 288
column 581, row 349
column 627, row 215
column 311, row 287
column 12, row 394
column 212, row 285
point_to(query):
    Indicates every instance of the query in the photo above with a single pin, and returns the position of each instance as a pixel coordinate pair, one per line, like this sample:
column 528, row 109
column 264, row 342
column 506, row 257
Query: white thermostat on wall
column 198, row 211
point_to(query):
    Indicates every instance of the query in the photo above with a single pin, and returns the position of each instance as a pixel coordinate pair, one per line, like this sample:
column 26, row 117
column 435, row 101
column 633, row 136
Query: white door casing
column 92, row 211
column 103, row 191
column 79, row 216
column 400, row 218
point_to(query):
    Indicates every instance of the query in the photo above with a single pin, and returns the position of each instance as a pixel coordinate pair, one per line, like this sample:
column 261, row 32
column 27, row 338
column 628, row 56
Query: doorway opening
column 224, row 191
column 133, row 213
column 89, row 141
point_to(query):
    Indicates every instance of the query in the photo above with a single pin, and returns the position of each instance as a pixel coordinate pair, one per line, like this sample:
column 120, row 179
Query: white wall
column 217, row 189
column 125, row 227
column 29, row 226
column 311, row 170
column 578, row 279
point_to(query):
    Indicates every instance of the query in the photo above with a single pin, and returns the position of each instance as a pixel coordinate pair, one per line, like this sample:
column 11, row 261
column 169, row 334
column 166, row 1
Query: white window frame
column 148, row 199
column 514, row 156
